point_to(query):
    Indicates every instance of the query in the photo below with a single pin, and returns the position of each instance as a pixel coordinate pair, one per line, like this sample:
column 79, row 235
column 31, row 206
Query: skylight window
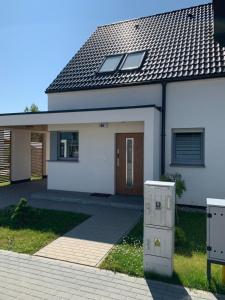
column 110, row 63
column 133, row 60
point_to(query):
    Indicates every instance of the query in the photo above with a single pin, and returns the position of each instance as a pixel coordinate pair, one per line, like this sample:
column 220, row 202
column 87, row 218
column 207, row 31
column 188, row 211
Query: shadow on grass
column 190, row 234
column 42, row 220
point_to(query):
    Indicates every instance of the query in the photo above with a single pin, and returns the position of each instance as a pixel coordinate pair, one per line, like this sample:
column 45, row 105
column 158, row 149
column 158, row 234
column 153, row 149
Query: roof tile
column 180, row 44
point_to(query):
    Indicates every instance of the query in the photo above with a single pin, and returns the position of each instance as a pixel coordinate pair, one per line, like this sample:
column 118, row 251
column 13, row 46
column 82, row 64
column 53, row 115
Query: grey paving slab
column 11, row 194
column 30, row 277
column 131, row 202
column 38, row 195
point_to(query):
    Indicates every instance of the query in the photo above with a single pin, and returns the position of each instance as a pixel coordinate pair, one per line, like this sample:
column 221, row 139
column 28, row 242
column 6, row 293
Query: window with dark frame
column 188, row 148
column 123, row 62
column 111, row 63
column 133, row 60
column 68, row 146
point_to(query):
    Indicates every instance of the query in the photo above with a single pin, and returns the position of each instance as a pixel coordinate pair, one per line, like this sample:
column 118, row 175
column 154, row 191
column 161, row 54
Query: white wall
column 199, row 104
column 111, row 97
column 21, row 155
column 95, row 171
column 157, row 145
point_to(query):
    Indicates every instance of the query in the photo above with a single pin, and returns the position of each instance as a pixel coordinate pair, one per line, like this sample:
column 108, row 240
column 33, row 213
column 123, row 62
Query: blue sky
column 38, row 37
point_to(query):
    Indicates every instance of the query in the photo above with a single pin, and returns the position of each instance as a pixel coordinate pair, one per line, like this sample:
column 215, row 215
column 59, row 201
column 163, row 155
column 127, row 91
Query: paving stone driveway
column 31, row 277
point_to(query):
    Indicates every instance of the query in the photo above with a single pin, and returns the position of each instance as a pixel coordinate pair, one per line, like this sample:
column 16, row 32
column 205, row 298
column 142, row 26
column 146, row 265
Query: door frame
column 115, row 158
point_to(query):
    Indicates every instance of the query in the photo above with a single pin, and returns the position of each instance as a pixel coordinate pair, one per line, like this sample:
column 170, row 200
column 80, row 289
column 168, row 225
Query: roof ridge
column 154, row 15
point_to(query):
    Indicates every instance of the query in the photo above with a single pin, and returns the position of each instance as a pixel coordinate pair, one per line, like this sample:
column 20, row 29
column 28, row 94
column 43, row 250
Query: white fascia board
column 81, row 117
column 215, row 202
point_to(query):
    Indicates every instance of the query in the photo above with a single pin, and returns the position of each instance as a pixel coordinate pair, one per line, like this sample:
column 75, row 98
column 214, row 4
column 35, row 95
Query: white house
column 141, row 98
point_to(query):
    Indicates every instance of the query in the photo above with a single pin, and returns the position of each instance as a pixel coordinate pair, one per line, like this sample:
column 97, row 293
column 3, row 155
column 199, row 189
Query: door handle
column 118, row 157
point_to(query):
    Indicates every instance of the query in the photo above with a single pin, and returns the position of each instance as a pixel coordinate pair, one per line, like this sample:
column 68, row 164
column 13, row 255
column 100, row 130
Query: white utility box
column 159, row 221
column 215, row 233
column 159, row 203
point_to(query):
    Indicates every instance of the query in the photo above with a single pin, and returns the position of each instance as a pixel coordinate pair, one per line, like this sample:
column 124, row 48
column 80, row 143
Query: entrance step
column 130, row 202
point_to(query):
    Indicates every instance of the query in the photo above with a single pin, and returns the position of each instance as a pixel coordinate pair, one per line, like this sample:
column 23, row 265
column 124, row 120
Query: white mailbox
column 159, row 204
column 215, row 233
column 159, row 219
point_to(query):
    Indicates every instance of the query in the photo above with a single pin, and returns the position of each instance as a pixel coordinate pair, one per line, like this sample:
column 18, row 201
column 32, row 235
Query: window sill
column 65, row 160
column 187, row 165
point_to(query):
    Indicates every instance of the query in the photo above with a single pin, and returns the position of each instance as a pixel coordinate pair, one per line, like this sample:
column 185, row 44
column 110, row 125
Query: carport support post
column 159, row 223
column 20, row 155
column 46, row 157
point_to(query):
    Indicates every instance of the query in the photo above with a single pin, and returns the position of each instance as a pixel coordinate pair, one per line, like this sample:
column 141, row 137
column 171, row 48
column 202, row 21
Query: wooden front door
column 129, row 163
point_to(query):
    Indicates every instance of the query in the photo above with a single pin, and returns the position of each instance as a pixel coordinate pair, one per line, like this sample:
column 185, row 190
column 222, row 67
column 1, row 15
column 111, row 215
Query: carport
column 23, row 151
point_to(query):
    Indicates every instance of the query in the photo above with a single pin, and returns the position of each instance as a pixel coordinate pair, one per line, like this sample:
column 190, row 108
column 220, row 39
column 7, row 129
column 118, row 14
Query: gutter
column 163, row 127
column 147, row 82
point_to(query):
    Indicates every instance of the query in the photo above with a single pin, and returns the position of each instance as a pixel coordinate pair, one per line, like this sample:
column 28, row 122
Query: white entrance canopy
column 115, row 114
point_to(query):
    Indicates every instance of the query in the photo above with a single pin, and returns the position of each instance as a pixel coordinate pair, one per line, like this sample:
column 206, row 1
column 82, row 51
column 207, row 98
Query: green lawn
column 4, row 183
column 43, row 227
column 189, row 260
column 34, row 178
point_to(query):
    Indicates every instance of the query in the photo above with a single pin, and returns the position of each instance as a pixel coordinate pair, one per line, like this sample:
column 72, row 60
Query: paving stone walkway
column 89, row 242
column 30, row 277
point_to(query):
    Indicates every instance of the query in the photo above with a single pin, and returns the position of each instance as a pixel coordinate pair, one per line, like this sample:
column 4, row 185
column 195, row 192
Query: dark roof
column 179, row 44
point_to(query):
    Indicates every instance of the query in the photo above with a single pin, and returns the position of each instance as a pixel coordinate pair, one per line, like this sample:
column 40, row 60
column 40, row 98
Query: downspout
column 163, row 128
